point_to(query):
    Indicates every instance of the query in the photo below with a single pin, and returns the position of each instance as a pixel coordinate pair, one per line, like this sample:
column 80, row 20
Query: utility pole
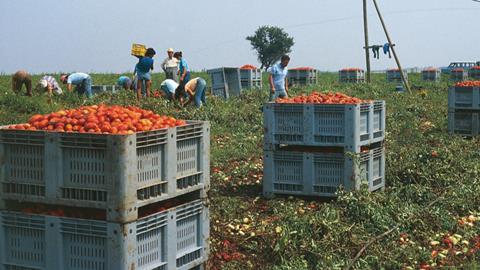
column 365, row 30
column 392, row 47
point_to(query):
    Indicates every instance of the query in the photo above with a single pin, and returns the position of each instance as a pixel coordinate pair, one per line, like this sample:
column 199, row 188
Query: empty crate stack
column 313, row 149
column 250, row 77
column 96, row 89
column 302, row 76
column 225, row 82
column 393, row 75
column 474, row 73
column 351, row 75
column 458, row 75
column 105, row 201
column 464, row 109
column 431, row 74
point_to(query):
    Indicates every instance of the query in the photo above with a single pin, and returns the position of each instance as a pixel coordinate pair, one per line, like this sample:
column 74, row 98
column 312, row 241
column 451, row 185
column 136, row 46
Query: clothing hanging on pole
column 386, row 49
column 376, row 51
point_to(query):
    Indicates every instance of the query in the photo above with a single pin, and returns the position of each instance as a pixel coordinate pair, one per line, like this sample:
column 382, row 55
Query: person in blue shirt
column 183, row 70
column 278, row 79
column 142, row 70
column 82, row 82
column 125, row 82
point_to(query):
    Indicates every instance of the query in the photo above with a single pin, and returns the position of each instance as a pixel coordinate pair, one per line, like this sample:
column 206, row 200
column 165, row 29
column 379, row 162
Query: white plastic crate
column 464, row 122
column 393, row 75
column 342, row 125
column 351, row 76
column 118, row 173
column 173, row 239
column 432, row 75
column 321, row 173
column 96, row 89
column 226, row 82
column 464, row 98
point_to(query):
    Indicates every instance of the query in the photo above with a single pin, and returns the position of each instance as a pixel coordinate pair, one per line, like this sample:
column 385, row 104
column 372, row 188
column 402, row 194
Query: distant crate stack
column 302, row 76
column 464, row 110
column 393, row 75
column 351, row 75
column 97, row 89
column 226, row 82
column 458, row 75
column 474, row 73
column 138, row 201
column 251, row 78
column 314, row 149
column 431, row 75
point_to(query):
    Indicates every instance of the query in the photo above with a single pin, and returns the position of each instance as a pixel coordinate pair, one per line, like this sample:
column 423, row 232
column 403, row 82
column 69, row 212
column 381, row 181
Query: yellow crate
column 139, row 49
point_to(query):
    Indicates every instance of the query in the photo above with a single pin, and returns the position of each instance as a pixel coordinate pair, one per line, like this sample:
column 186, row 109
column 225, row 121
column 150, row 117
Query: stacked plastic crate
column 431, row 74
column 96, row 89
column 250, row 77
column 313, row 149
column 351, row 75
column 393, row 75
column 464, row 109
column 103, row 201
column 474, row 73
column 458, row 75
column 226, row 82
column 302, row 76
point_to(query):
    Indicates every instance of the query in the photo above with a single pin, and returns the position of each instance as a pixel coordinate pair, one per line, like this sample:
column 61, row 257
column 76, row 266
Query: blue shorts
column 144, row 76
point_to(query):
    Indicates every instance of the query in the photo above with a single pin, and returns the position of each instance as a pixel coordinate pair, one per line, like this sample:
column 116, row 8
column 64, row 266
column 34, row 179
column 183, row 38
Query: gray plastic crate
column 302, row 77
column 474, row 74
column 463, row 122
column 342, row 125
column 118, row 173
column 432, row 75
column 252, row 84
column 393, row 75
column 226, row 82
column 464, row 98
column 251, row 74
column 351, row 76
column 96, row 89
column 321, row 174
column 173, row 239
column 458, row 75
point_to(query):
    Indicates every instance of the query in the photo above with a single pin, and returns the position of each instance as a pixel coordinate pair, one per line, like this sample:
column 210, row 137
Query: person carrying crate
column 142, row 71
column 20, row 78
column 82, row 82
column 278, row 79
column 170, row 66
column 195, row 89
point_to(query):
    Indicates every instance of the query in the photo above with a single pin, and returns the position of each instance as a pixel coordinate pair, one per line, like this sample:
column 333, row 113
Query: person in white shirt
column 170, row 66
column 49, row 84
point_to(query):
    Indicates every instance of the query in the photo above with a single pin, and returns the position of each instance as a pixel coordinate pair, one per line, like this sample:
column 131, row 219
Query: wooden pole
column 365, row 30
column 392, row 47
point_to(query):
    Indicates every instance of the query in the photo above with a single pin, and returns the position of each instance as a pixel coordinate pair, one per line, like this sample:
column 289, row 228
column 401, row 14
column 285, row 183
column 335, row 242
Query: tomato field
column 427, row 217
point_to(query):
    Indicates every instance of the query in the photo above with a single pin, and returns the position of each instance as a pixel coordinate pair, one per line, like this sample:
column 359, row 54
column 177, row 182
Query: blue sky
column 96, row 35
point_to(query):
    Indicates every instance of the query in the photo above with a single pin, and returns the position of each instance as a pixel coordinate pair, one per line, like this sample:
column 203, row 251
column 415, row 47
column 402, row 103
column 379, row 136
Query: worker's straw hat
column 170, row 50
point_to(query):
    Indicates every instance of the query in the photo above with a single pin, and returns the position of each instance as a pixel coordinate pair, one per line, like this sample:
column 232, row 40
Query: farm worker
column 82, row 82
column 195, row 89
column 170, row 66
column 48, row 84
column 168, row 87
column 142, row 70
column 125, row 82
column 278, row 79
column 183, row 69
column 20, row 78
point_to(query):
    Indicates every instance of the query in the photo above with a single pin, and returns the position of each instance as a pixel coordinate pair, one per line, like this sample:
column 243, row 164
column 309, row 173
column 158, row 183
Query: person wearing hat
column 20, row 78
column 48, row 84
column 183, row 69
column 170, row 66
column 82, row 82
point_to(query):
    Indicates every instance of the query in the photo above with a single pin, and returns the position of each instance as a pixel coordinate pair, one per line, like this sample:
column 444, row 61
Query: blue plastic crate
column 226, row 82
column 464, row 98
column 342, row 125
column 458, row 75
column 431, row 75
column 394, row 75
column 321, row 173
column 173, row 239
column 474, row 74
column 118, row 173
column 464, row 122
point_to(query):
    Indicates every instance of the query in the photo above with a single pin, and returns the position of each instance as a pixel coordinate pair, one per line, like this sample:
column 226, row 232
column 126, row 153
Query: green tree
column 271, row 43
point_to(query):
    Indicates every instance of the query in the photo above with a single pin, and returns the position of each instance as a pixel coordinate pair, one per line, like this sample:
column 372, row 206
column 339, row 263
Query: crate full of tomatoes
column 104, row 157
column 351, row 75
column 324, row 119
column 474, row 73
